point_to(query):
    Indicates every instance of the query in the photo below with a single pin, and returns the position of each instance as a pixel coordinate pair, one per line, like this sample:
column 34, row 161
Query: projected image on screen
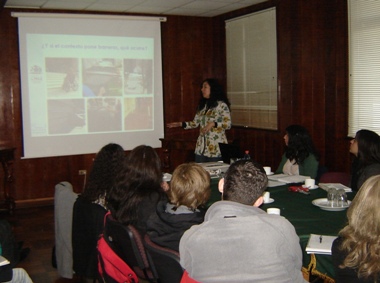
column 62, row 77
column 88, row 82
column 138, row 113
column 100, row 84
column 137, row 76
column 104, row 114
column 102, row 77
column 66, row 116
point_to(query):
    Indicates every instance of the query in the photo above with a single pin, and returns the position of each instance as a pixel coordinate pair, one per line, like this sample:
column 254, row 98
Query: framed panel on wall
column 252, row 69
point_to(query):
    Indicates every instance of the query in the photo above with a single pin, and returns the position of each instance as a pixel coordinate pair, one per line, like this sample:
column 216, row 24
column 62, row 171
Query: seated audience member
column 238, row 241
column 138, row 188
column 366, row 149
column 300, row 157
column 8, row 272
column 9, row 247
column 62, row 257
column 18, row 275
column 90, row 208
column 356, row 252
column 189, row 191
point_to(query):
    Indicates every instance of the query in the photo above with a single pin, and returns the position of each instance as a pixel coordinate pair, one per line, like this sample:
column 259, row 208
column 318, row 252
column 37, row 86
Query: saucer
column 269, row 201
column 323, row 204
column 311, row 188
column 271, row 173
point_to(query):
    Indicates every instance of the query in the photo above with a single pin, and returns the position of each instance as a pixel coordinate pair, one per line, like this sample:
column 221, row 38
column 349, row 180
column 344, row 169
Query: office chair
column 127, row 242
column 165, row 261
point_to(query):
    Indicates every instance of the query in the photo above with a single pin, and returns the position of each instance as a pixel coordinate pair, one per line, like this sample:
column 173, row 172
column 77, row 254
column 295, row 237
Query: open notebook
column 287, row 179
column 327, row 186
column 320, row 244
column 3, row 261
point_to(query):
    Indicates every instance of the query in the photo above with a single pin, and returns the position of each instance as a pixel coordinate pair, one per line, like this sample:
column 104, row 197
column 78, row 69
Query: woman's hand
column 165, row 186
column 174, row 125
column 208, row 127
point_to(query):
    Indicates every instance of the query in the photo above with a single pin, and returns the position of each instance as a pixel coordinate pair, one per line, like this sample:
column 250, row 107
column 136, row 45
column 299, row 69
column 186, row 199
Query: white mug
column 310, row 183
column 268, row 170
column 266, row 197
column 274, row 210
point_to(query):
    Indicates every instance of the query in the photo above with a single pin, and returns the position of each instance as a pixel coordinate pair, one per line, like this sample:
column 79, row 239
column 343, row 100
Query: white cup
column 268, row 170
column 266, row 197
column 274, row 210
column 310, row 183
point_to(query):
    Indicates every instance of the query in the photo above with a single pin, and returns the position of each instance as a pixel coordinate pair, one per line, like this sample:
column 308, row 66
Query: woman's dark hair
column 216, row 94
column 368, row 147
column 300, row 145
column 140, row 178
column 107, row 163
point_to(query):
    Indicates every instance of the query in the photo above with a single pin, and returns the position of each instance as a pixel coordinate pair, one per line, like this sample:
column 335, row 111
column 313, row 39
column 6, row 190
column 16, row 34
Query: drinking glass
column 342, row 198
column 332, row 197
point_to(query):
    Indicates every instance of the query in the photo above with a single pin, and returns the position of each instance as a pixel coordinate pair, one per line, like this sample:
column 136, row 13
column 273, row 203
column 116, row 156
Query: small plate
column 323, row 204
column 269, row 201
column 311, row 188
column 271, row 173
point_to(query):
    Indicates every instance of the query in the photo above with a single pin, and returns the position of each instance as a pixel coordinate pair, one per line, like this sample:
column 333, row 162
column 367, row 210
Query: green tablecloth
column 305, row 217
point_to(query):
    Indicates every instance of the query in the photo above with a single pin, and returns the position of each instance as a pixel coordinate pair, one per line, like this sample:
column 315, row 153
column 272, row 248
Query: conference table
column 307, row 219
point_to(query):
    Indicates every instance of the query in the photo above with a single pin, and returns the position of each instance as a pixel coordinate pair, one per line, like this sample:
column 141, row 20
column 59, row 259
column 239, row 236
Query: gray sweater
column 241, row 243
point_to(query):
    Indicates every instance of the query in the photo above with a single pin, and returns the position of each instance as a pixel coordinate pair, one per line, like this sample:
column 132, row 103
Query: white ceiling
column 202, row 8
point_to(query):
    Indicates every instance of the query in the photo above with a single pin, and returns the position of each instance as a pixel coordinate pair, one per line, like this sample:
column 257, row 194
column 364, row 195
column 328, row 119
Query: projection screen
column 88, row 80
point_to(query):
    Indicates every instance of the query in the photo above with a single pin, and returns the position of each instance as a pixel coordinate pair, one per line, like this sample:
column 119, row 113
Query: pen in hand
column 320, row 239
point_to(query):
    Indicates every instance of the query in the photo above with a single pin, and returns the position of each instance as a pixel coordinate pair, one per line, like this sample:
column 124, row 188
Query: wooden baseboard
column 34, row 202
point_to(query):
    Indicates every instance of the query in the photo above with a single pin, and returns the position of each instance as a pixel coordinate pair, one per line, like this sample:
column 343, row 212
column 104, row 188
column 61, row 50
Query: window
column 252, row 69
column 364, row 52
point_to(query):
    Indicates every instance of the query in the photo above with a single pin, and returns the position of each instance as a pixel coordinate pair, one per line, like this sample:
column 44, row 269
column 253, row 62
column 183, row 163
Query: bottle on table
column 246, row 155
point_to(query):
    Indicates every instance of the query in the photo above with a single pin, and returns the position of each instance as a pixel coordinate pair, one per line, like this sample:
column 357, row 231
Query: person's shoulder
column 279, row 223
column 374, row 167
column 312, row 157
column 222, row 104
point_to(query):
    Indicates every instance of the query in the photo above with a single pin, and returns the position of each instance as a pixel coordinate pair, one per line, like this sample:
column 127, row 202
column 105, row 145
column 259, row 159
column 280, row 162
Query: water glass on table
column 332, row 197
column 342, row 198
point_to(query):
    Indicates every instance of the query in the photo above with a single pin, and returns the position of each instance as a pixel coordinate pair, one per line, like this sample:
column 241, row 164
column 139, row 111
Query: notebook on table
column 327, row 186
column 320, row 244
column 288, row 179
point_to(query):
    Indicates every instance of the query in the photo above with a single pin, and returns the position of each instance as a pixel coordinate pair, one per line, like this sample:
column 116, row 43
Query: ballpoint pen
column 320, row 239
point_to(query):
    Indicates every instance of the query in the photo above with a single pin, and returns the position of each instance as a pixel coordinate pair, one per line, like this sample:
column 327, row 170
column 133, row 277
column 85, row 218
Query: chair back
column 64, row 199
column 127, row 242
column 336, row 177
column 166, row 262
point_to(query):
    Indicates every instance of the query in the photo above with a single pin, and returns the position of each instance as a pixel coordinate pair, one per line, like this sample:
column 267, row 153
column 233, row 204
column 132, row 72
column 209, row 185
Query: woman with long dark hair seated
column 138, row 188
column 366, row 149
column 300, row 157
column 90, row 208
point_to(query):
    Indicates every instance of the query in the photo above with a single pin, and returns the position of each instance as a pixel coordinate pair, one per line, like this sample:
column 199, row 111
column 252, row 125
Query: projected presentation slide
column 90, row 84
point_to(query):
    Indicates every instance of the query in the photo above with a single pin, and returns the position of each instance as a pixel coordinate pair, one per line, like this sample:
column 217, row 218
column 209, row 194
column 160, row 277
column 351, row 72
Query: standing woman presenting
column 213, row 118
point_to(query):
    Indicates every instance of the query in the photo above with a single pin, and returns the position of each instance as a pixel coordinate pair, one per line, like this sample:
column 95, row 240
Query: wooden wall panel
column 312, row 88
column 312, row 80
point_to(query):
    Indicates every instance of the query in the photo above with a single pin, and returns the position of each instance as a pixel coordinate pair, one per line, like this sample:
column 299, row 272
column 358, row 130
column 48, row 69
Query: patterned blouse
column 208, row 144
